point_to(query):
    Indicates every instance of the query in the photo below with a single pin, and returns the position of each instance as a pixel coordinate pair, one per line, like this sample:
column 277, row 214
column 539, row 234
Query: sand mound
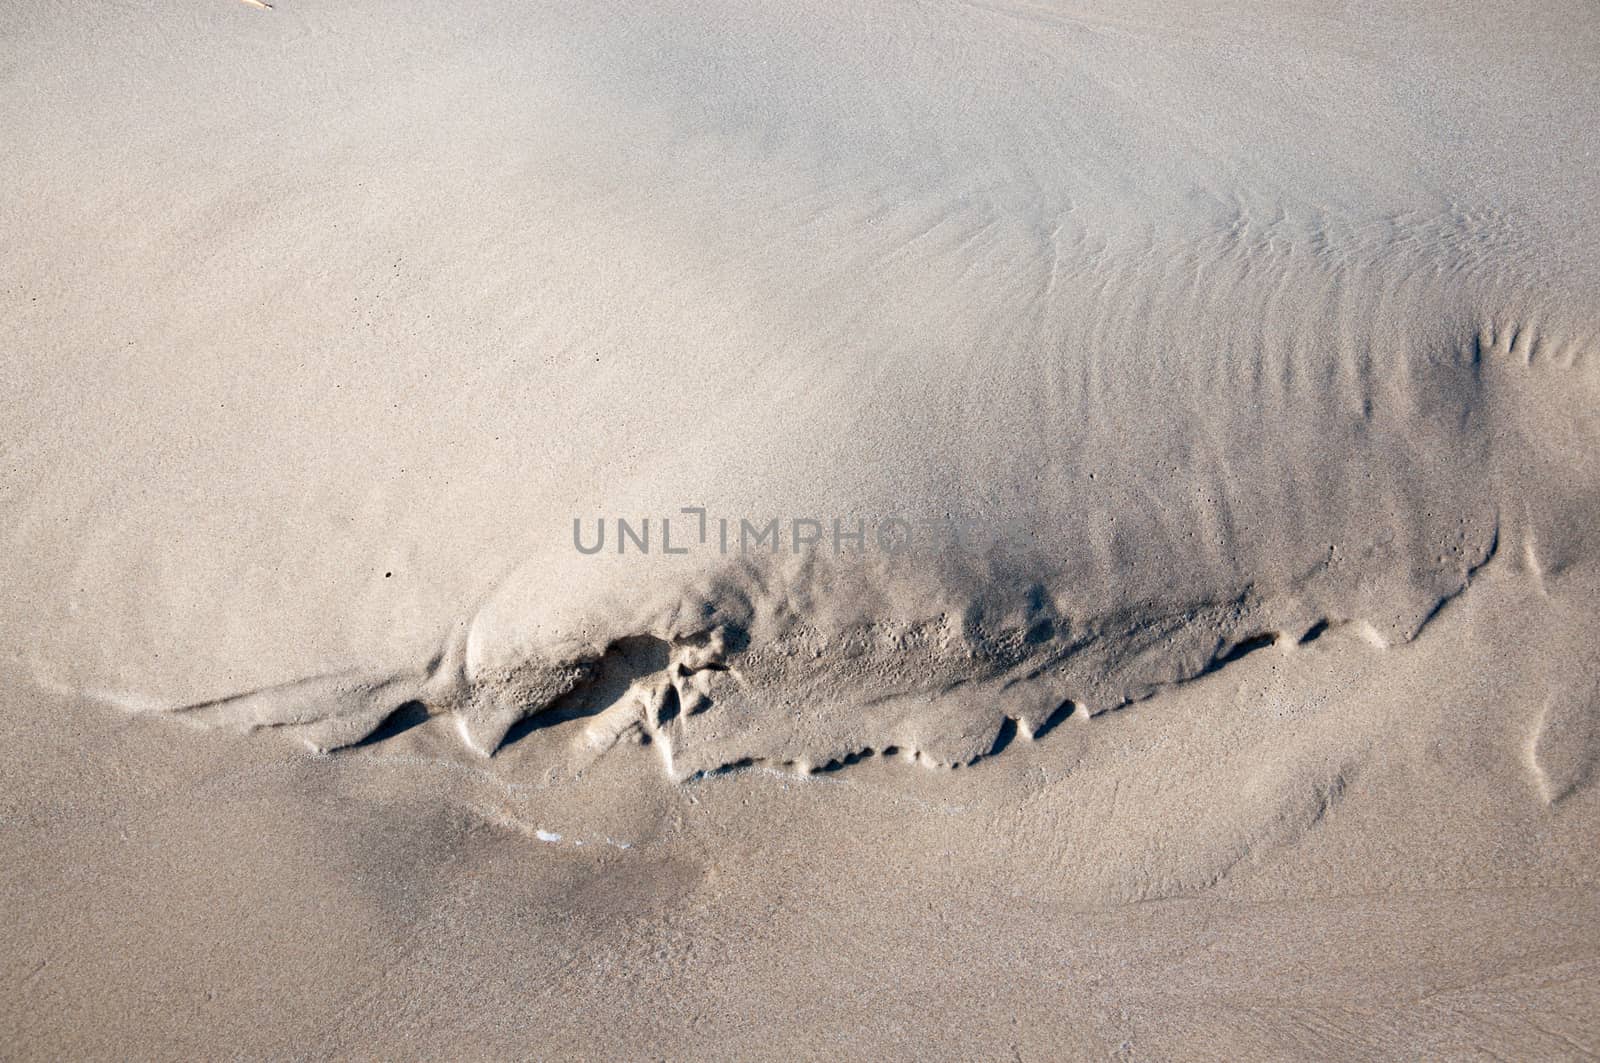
column 1174, row 410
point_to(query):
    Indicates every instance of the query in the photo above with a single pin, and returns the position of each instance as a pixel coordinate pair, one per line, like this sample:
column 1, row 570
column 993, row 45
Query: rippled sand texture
column 1256, row 349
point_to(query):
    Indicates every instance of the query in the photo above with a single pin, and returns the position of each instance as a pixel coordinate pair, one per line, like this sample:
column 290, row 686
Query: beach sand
column 936, row 530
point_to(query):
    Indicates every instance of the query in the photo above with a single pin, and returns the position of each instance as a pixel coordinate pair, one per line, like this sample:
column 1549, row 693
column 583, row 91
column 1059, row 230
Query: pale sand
column 1255, row 347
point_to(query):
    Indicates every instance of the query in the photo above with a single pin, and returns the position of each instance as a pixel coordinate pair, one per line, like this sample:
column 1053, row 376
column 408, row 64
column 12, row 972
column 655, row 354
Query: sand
column 766, row 531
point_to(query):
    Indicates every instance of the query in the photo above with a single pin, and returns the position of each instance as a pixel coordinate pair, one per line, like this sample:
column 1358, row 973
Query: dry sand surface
column 905, row 530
